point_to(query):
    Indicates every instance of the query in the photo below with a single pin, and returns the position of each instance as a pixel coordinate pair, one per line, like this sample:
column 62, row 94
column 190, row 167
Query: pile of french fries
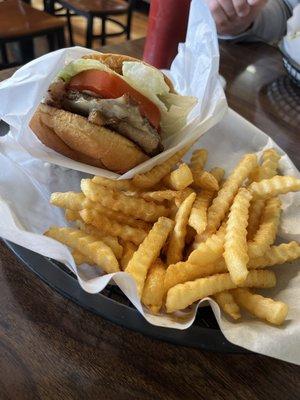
column 184, row 233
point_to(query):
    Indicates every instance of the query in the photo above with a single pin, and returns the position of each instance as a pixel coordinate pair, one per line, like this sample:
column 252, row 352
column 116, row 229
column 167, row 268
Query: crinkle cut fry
column 264, row 308
column 183, row 295
column 272, row 187
column 227, row 303
column 90, row 246
column 80, row 258
column 235, row 246
column 209, row 251
column 223, row 200
column 134, row 206
column 184, row 271
column 148, row 251
column 77, row 201
column 153, row 291
column 268, row 169
column 198, row 217
column 121, row 184
column 285, row 252
column 152, row 177
column 111, row 241
column 180, row 178
column 177, row 237
column 111, row 227
column 266, row 233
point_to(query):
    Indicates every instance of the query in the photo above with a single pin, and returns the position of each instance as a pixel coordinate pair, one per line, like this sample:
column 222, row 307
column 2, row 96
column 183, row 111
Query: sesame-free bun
column 75, row 137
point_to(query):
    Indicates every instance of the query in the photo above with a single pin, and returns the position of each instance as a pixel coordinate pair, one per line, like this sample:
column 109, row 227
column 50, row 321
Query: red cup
column 167, row 27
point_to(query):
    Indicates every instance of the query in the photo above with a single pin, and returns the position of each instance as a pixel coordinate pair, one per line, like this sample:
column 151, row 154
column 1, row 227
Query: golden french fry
column 137, row 207
column 111, row 227
column 109, row 240
column 129, row 249
column 209, row 251
column 153, row 291
column 72, row 215
column 162, row 195
column 177, row 238
column 235, row 246
column 227, row 303
column 80, row 258
column 272, row 187
column 198, row 160
column 198, row 216
column 264, row 308
column 90, row 246
column 205, row 180
column 183, row 295
column 267, row 170
column 286, row 252
column 155, row 175
column 148, row 251
column 182, row 195
column 71, row 200
column 120, row 184
column 266, row 233
column 184, row 271
column 255, row 213
column 225, row 196
column 180, row 178
column 202, row 179
column 78, row 201
column 270, row 163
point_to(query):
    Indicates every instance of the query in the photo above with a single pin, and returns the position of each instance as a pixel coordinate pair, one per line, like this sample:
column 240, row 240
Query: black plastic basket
column 292, row 68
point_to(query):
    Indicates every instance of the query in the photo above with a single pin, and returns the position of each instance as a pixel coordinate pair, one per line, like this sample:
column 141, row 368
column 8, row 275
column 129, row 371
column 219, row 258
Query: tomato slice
column 110, row 86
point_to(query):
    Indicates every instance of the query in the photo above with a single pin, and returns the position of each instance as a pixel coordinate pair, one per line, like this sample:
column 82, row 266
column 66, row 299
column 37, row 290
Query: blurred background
column 29, row 29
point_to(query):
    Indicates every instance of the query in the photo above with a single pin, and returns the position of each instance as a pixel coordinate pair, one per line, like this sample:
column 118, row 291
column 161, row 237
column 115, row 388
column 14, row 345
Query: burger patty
column 118, row 114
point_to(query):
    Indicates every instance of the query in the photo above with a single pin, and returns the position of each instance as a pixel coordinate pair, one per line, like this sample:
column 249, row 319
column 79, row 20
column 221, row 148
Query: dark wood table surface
column 50, row 348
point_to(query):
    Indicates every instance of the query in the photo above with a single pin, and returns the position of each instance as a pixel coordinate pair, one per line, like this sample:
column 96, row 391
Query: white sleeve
column 270, row 24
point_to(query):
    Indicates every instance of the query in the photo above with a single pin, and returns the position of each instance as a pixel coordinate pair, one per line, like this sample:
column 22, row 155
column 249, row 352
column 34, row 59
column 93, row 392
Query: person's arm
column 269, row 25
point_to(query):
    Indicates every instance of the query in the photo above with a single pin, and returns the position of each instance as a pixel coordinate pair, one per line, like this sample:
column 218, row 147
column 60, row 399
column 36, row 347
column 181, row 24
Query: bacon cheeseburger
column 110, row 111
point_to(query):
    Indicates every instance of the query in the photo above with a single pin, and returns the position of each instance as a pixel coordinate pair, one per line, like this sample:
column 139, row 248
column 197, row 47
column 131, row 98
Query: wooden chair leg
column 103, row 31
column 51, row 41
column 49, row 6
column 4, row 54
column 26, row 50
column 60, row 38
column 68, row 14
column 89, row 31
column 129, row 18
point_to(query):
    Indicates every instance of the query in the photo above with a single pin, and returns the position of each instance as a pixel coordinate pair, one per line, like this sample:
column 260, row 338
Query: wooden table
column 52, row 349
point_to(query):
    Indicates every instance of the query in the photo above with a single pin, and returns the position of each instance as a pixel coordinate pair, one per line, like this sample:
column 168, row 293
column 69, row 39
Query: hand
column 234, row 16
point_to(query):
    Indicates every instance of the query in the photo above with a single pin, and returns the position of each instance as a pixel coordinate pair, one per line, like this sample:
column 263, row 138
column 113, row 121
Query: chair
column 21, row 23
column 106, row 10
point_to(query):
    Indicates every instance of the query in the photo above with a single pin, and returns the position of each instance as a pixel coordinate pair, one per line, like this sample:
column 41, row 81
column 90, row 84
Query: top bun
column 115, row 62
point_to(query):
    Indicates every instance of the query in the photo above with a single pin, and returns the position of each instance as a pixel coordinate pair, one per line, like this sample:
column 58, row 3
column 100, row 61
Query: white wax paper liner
column 194, row 72
column 25, row 213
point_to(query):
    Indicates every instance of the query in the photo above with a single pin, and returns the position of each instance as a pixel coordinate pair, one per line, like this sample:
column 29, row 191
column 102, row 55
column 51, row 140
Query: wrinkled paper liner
column 25, row 212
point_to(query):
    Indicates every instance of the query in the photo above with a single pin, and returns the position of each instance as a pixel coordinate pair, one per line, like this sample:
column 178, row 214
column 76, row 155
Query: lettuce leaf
column 150, row 82
column 82, row 64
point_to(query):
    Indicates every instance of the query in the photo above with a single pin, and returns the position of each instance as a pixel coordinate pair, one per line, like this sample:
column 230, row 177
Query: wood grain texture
column 52, row 349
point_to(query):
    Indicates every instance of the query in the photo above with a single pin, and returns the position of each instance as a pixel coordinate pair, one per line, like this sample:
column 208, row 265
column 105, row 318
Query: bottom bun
column 75, row 137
